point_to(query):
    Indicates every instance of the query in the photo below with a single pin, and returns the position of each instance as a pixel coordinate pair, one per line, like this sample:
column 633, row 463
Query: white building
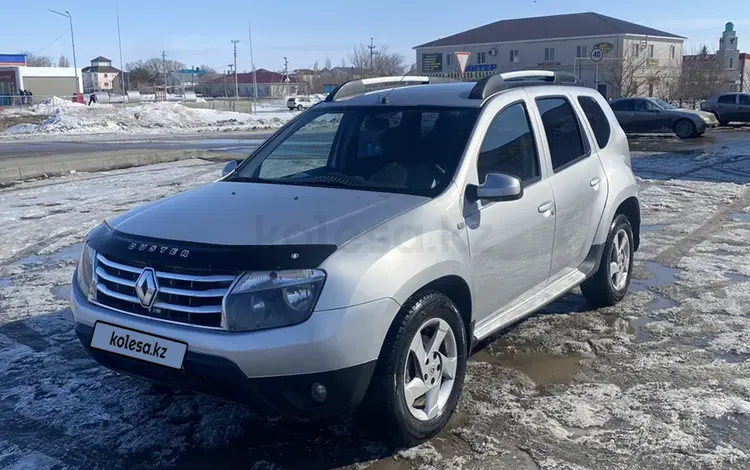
column 100, row 75
column 635, row 59
column 41, row 81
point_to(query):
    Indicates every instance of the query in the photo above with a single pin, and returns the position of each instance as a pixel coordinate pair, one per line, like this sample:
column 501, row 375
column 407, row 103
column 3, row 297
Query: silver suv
column 359, row 254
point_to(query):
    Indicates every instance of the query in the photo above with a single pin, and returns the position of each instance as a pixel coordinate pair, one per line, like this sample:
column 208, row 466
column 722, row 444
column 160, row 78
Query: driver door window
column 509, row 147
column 307, row 149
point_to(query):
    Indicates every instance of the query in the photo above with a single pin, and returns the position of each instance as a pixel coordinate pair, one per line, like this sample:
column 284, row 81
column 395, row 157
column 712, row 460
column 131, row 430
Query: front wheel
column 684, row 129
column 420, row 373
column 610, row 283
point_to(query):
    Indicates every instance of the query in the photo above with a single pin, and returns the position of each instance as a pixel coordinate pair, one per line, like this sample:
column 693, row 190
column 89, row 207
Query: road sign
column 596, row 54
column 462, row 59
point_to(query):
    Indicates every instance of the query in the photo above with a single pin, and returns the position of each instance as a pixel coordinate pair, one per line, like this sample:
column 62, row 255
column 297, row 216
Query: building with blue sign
column 564, row 43
column 16, row 76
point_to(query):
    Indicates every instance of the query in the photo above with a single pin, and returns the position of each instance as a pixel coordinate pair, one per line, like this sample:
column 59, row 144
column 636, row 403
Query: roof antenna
column 384, row 100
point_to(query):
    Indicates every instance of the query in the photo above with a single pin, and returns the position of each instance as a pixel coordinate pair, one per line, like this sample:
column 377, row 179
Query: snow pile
column 148, row 118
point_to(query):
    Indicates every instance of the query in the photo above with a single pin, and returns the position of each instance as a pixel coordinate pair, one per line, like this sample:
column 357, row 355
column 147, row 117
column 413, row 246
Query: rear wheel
column 610, row 283
column 299, row 107
column 420, row 373
column 684, row 129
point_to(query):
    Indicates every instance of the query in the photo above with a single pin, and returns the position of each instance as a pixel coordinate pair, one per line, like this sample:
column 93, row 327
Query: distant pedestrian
column 92, row 98
column 30, row 96
column 21, row 97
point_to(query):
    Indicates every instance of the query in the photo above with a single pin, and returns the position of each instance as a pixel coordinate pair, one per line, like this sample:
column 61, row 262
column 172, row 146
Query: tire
column 299, row 107
column 601, row 289
column 684, row 128
column 385, row 404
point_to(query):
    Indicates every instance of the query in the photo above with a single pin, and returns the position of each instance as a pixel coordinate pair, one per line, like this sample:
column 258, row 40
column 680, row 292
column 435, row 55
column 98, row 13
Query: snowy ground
column 662, row 381
column 68, row 118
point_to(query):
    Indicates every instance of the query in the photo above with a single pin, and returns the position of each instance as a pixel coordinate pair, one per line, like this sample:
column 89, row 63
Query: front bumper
column 288, row 396
column 270, row 369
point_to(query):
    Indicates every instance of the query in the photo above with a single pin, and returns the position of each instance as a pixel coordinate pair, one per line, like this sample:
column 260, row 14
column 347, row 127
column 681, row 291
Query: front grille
column 182, row 297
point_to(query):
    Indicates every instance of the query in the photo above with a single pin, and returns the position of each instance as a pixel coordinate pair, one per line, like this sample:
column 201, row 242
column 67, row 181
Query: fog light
column 319, row 392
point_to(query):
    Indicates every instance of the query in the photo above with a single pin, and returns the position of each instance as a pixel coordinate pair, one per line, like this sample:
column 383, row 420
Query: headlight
column 271, row 299
column 705, row 118
column 85, row 272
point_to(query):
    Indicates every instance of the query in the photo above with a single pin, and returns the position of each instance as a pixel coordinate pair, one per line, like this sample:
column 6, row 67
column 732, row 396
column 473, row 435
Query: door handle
column 595, row 182
column 545, row 206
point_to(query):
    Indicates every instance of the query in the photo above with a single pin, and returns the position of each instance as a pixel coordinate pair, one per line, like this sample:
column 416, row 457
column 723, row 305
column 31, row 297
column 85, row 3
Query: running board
column 529, row 306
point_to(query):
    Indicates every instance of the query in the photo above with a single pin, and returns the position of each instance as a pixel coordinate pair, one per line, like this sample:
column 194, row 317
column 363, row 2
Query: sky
column 201, row 32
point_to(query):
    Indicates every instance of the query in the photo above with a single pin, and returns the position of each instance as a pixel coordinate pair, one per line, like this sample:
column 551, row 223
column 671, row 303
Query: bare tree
column 328, row 64
column 63, row 61
column 315, row 66
column 208, row 69
column 631, row 74
column 702, row 76
column 381, row 63
column 33, row 60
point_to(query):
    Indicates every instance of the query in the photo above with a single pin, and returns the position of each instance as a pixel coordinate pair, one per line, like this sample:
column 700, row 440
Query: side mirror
column 229, row 167
column 497, row 187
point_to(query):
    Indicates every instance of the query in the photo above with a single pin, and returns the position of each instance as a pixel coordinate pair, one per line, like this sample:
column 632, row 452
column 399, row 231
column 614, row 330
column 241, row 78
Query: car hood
column 234, row 213
column 694, row 112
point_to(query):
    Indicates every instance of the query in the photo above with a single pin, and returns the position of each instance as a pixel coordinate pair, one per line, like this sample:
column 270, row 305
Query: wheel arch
column 631, row 208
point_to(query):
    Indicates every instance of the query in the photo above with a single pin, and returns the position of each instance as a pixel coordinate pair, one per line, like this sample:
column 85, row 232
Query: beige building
column 634, row 59
column 100, row 75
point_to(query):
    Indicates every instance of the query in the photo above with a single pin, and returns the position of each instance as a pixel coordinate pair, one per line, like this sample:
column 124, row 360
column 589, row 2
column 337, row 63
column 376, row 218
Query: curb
column 102, row 162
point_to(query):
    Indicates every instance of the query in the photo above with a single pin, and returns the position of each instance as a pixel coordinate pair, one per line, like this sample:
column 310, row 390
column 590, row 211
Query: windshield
column 664, row 105
column 412, row 150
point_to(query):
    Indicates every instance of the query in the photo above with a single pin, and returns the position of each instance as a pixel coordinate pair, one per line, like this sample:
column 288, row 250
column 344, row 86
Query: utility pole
column 252, row 66
column 72, row 40
column 286, row 75
column 230, row 73
column 164, row 67
column 236, row 85
column 372, row 52
column 122, row 65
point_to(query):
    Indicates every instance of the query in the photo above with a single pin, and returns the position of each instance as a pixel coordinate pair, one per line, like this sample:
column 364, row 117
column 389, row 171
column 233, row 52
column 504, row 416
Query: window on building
column 105, row 75
column 563, row 132
column 651, row 51
column 106, row 84
column 672, row 51
column 482, row 58
column 597, row 119
column 731, row 63
column 582, row 51
column 447, row 59
column 636, row 49
column 549, row 53
column 513, row 55
column 731, row 41
column 509, row 147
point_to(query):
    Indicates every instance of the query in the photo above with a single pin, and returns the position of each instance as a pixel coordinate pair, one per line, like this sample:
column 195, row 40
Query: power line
column 164, row 67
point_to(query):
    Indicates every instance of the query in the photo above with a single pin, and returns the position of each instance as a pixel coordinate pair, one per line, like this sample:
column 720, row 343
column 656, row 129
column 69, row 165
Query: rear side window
column 745, row 100
column 597, row 119
column 563, row 133
column 727, row 99
column 624, row 105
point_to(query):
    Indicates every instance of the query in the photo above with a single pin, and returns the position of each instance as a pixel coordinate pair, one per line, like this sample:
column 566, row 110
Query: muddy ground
column 660, row 381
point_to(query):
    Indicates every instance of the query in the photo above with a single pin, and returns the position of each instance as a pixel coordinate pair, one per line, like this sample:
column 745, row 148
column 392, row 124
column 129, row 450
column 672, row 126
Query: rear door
column 726, row 107
column 577, row 176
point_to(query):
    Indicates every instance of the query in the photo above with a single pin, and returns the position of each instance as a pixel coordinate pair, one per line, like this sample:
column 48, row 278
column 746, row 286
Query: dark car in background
column 649, row 115
column 729, row 107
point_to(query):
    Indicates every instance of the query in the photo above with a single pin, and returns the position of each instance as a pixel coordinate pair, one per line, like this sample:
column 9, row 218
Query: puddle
column 660, row 303
column 71, row 253
column 542, row 368
column 703, row 342
column 661, row 276
column 740, row 217
column 734, row 358
column 652, row 228
column 5, row 282
column 638, row 330
column 736, row 277
column 61, row 292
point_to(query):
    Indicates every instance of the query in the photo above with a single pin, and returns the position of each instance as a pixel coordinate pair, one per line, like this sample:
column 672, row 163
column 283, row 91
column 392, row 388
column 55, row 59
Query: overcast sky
column 200, row 32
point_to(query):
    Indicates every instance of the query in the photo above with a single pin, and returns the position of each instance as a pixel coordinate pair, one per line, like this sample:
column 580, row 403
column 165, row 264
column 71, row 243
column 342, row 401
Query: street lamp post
column 72, row 40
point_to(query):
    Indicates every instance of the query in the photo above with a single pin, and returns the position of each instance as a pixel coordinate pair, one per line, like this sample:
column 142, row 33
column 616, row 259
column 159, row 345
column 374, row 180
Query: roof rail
column 357, row 87
column 492, row 84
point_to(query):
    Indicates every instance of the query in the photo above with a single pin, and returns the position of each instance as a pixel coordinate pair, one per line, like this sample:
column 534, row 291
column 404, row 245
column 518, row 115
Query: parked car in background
column 299, row 102
column 729, row 107
column 649, row 115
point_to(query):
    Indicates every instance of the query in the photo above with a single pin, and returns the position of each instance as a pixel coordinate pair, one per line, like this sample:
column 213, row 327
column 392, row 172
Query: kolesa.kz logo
column 124, row 342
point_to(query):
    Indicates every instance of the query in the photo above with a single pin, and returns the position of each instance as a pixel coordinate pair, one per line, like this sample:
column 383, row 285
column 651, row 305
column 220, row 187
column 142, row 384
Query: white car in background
column 300, row 102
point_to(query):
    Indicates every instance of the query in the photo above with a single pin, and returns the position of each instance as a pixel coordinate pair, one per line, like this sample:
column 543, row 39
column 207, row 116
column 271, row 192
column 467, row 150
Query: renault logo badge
column 146, row 287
